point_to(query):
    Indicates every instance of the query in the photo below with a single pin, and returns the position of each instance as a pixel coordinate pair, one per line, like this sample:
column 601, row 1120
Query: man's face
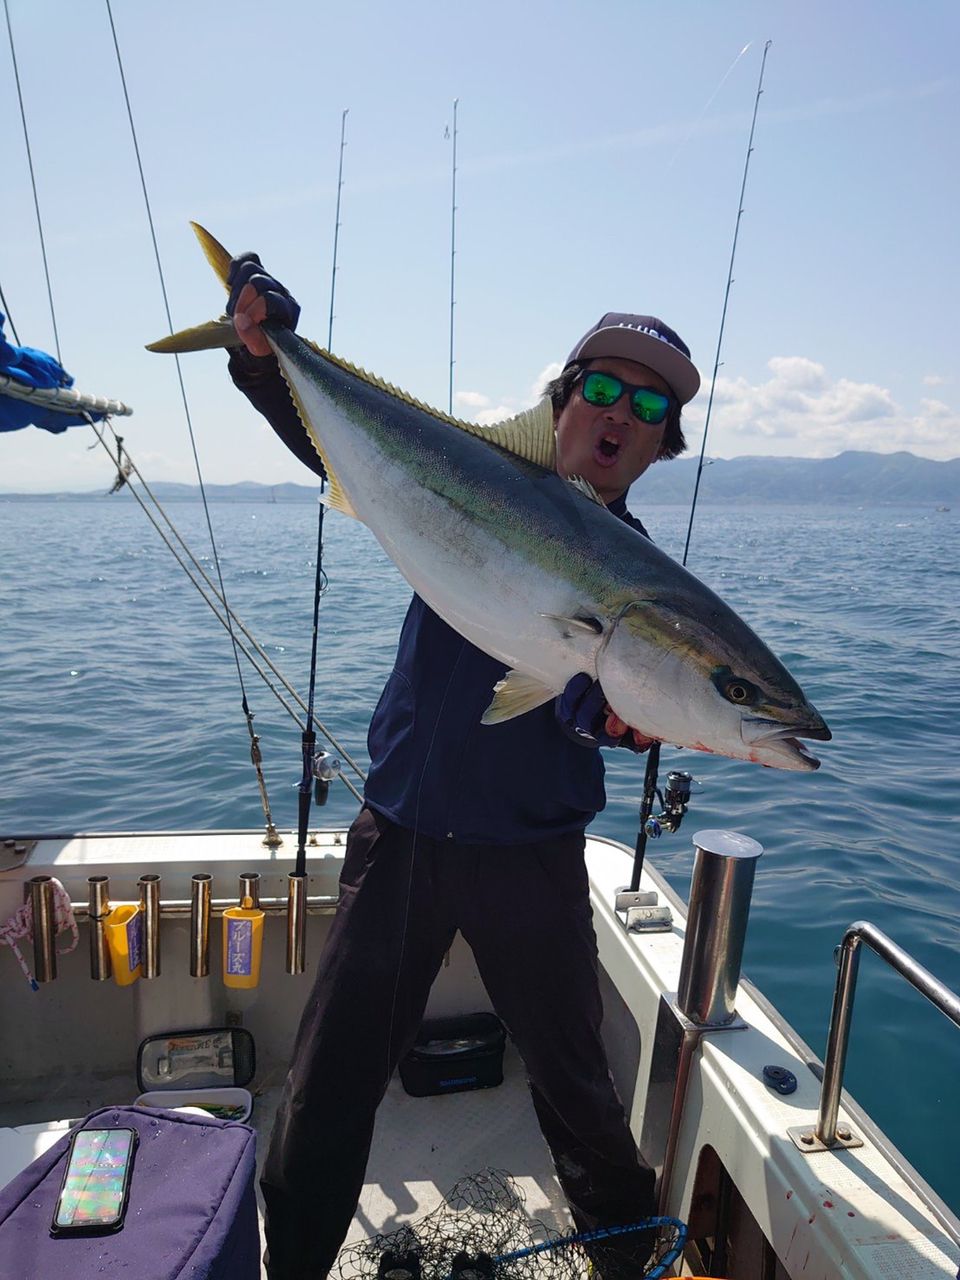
column 609, row 447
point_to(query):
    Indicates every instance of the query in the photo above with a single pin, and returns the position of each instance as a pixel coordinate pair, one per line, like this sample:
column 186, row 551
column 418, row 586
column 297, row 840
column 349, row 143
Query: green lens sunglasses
column 603, row 390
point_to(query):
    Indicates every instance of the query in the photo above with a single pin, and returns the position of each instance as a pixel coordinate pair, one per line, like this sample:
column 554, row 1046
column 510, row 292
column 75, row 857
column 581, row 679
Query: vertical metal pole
column 835, row 1059
column 150, row 907
column 250, row 887
column 98, row 907
column 200, row 893
column 296, row 923
column 720, row 890
column 44, row 928
column 336, row 225
column 453, row 247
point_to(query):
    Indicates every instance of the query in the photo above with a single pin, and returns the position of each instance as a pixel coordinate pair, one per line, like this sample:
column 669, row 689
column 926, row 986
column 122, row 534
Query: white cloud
column 935, row 380
column 801, row 410
column 472, row 399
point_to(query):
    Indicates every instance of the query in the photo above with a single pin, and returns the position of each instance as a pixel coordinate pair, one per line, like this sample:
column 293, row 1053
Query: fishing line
column 413, row 852
column 33, row 183
column 255, row 757
column 706, row 106
column 6, row 311
column 209, row 593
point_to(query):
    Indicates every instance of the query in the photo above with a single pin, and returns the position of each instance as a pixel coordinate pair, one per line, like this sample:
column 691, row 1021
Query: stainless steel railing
column 841, row 1015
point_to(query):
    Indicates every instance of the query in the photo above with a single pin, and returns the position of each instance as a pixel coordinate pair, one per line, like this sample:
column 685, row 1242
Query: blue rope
column 603, row 1233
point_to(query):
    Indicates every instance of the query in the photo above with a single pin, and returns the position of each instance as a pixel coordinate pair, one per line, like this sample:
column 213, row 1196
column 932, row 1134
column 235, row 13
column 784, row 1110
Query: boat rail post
column 44, row 928
column 721, row 886
column 296, row 923
column 150, row 908
column 98, row 908
column 200, row 895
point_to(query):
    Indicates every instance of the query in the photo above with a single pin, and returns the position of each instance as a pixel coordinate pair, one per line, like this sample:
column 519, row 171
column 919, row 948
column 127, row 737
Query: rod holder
column 150, row 909
column 98, row 908
column 296, row 923
column 44, row 928
column 250, row 887
column 200, row 897
column 720, row 890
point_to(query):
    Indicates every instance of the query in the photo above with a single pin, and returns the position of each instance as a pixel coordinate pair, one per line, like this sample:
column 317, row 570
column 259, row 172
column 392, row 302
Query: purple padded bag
column 191, row 1215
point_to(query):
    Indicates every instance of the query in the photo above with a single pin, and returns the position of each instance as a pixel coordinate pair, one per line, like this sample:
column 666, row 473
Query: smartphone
column 96, row 1182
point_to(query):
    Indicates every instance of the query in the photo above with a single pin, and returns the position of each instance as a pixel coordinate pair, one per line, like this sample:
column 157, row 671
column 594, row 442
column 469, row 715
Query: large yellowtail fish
column 530, row 567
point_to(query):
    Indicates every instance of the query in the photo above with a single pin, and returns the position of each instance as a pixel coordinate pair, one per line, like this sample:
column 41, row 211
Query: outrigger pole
column 675, row 808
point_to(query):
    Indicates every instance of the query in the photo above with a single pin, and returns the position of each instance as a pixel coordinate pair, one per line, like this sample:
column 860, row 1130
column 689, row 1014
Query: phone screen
column 94, row 1187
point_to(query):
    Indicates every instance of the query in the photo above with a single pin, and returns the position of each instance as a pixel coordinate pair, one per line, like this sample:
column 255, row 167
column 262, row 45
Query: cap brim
column 679, row 373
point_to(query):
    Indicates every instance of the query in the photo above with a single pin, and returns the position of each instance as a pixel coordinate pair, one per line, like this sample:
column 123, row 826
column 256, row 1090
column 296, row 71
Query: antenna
column 453, row 248
column 336, row 226
column 726, row 297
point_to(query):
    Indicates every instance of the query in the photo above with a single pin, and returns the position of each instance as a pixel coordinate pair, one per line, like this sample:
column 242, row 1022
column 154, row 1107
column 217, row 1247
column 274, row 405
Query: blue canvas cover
column 192, row 1210
column 33, row 368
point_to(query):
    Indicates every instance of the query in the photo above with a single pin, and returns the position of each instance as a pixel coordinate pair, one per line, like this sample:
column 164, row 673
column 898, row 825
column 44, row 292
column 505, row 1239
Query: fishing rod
column 336, row 225
column 453, row 248
column 676, row 796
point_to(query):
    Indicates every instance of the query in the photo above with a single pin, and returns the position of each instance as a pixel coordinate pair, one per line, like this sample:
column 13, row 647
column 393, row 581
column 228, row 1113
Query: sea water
column 121, row 710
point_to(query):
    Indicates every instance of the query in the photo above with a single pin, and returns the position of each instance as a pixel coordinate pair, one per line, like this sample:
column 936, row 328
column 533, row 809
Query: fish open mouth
column 780, row 746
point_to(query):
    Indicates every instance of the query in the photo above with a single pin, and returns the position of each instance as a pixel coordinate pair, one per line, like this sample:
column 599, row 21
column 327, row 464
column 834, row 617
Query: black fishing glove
column 582, row 711
column 248, row 269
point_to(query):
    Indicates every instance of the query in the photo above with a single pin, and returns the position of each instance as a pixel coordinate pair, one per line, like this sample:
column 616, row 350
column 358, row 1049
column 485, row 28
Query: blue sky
column 600, row 154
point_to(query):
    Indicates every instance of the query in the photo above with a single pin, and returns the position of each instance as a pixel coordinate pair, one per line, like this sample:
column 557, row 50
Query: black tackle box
column 453, row 1054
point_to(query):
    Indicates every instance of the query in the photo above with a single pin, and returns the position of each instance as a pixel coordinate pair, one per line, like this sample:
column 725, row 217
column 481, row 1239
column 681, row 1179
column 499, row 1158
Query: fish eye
column 741, row 692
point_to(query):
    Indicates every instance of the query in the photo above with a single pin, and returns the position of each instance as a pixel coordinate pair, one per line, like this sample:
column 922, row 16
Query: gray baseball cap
column 648, row 341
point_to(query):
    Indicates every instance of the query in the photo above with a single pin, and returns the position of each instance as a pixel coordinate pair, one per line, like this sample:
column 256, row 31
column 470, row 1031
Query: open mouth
column 780, row 746
column 607, row 449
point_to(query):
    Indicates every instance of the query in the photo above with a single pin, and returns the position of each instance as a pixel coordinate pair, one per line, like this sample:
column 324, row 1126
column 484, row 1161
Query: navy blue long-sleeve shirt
column 433, row 766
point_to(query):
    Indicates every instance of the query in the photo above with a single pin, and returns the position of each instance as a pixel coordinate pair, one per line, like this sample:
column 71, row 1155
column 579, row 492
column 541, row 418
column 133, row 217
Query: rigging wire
column 33, row 183
column 272, row 836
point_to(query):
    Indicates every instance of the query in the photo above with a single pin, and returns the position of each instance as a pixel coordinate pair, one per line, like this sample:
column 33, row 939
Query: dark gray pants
column 525, row 912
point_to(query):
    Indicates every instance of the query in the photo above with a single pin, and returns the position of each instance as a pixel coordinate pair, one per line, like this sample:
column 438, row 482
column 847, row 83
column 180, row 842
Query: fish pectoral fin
column 593, row 626
column 337, row 500
column 515, row 694
column 586, row 488
column 201, row 337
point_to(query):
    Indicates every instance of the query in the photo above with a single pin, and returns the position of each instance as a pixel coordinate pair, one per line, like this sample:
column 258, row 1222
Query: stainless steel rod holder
column 250, row 887
column 44, row 928
column 296, row 923
column 98, row 908
column 200, row 897
column 720, row 890
column 150, row 909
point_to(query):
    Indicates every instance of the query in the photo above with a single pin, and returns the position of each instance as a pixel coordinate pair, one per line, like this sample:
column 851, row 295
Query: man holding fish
column 484, row 825
column 544, row 624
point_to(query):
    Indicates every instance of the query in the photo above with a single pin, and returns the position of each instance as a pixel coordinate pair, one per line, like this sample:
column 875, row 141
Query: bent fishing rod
column 676, row 796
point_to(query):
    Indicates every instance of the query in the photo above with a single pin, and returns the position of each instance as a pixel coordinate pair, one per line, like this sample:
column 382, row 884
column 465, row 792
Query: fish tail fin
column 214, row 252
column 214, row 333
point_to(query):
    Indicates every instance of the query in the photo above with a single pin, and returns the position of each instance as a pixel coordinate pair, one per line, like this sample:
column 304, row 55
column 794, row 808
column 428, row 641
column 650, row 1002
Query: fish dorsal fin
column 586, row 488
column 515, row 694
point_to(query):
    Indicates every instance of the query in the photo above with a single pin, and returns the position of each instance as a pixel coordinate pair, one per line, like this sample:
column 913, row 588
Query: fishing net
column 481, row 1231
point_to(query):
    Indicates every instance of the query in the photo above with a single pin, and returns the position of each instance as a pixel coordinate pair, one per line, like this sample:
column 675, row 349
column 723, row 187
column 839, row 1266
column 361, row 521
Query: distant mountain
column 856, row 477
